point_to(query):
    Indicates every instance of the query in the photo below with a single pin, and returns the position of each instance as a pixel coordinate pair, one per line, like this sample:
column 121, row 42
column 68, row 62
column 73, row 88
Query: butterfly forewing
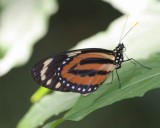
column 45, row 72
column 79, row 71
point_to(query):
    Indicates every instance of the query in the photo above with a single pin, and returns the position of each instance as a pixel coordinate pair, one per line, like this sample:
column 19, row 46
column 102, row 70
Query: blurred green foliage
column 1, row 53
column 75, row 21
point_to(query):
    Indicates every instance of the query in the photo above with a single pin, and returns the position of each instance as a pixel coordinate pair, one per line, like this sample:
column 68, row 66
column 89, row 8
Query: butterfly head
column 120, row 48
column 118, row 51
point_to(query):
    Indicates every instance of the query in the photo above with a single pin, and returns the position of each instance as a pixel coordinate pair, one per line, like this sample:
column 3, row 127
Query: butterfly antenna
column 128, row 31
column 123, row 28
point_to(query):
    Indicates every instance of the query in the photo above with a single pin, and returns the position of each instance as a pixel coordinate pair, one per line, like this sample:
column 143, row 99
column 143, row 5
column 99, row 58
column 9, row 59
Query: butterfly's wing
column 79, row 71
column 45, row 72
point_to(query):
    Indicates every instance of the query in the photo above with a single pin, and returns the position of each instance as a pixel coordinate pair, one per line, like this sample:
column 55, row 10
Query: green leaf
column 54, row 123
column 135, row 80
column 39, row 94
column 47, row 107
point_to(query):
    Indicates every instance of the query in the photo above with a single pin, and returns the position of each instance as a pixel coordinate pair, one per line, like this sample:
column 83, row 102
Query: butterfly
column 81, row 71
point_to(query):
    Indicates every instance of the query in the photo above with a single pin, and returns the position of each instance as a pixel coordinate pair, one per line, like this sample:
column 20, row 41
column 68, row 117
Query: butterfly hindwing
column 86, row 71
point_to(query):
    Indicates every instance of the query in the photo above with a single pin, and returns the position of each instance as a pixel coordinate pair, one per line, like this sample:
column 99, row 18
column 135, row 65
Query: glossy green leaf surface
column 48, row 106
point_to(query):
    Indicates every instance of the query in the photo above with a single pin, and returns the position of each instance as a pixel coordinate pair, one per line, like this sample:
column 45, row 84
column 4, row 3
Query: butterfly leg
column 118, row 79
column 136, row 62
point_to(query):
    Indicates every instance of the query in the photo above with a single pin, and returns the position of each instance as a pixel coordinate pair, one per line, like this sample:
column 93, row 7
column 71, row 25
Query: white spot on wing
column 43, row 77
column 95, row 88
column 47, row 62
column 73, row 53
column 43, row 71
column 49, row 82
column 83, row 90
column 89, row 89
column 64, row 62
column 58, row 85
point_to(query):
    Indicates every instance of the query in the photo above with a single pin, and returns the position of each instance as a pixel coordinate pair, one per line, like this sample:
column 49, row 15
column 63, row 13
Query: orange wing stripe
column 91, row 66
column 96, row 55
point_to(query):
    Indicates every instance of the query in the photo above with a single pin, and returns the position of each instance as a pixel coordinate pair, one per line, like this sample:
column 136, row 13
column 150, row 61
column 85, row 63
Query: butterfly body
column 81, row 71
